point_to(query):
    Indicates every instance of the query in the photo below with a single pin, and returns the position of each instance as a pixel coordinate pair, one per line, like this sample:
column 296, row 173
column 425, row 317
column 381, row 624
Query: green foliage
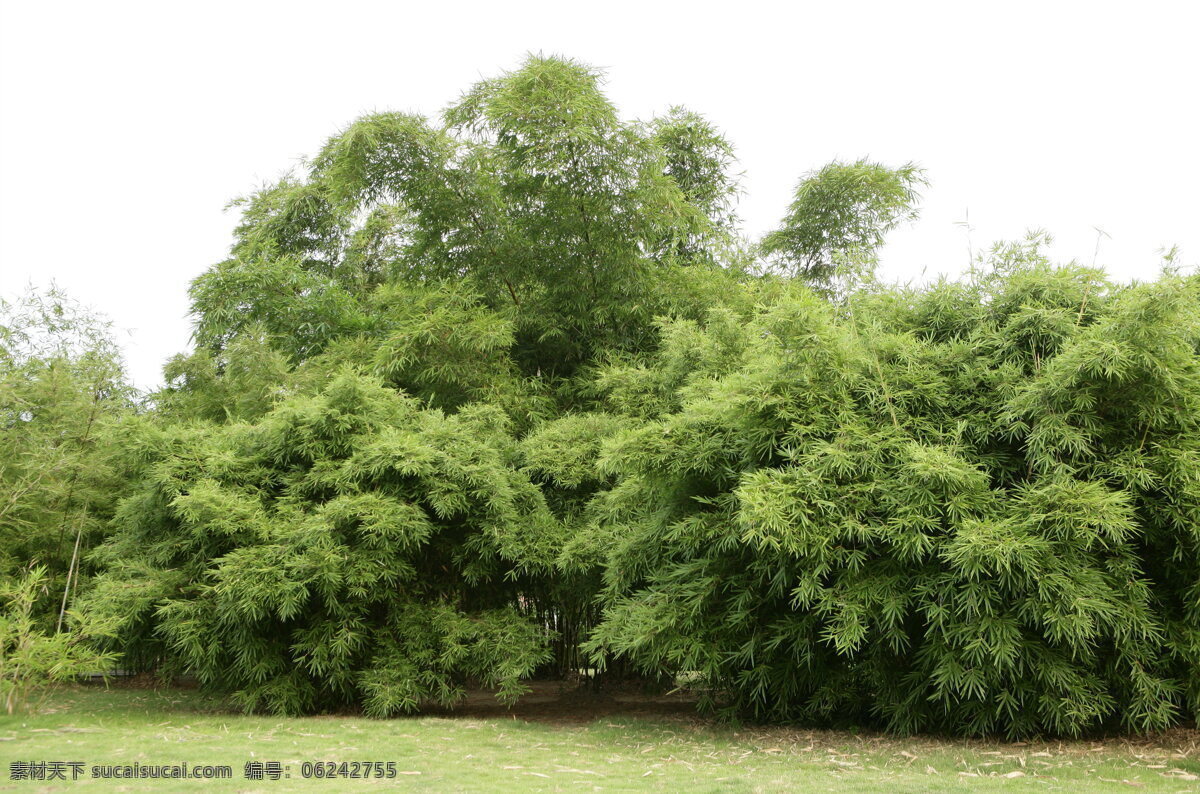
column 351, row 546
column 556, row 214
column 240, row 382
column 299, row 308
column 842, row 209
column 506, row 393
column 445, row 346
column 698, row 158
column 32, row 660
column 963, row 525
column 428, row 648
column 63, row 405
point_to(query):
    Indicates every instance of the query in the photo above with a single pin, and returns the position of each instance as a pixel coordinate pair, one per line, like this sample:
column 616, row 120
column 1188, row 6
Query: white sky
column 125, row 128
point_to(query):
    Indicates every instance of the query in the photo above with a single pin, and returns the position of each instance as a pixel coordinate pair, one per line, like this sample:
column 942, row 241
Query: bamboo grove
column 508, row 394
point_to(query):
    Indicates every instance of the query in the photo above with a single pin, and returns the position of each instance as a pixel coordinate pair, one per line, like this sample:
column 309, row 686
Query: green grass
column 168, row 726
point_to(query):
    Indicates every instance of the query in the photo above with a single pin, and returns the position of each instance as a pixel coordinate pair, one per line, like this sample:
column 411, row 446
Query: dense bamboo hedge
column 509, row 394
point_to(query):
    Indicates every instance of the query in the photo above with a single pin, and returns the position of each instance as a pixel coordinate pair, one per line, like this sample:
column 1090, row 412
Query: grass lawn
column 576, row 749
